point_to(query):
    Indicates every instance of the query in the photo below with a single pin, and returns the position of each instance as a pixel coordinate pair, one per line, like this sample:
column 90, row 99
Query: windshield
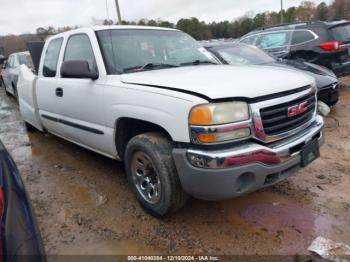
column 132, row 50
column 244, row 55
column 342, row 33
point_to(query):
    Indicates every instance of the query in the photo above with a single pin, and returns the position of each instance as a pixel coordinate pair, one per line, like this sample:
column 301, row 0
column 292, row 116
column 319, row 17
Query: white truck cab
column 183, row 125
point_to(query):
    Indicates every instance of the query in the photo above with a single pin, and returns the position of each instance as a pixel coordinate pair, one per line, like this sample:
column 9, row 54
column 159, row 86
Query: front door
column 81, row 101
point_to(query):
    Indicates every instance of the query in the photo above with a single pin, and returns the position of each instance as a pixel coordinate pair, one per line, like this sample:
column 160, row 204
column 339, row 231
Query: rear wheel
column 152, row 174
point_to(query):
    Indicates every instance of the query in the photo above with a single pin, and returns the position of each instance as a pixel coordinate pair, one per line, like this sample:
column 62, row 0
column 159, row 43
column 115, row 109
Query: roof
column 108, row 27
column 99, row 28
column 20, row 53
column 305, row 23
column 23, row 53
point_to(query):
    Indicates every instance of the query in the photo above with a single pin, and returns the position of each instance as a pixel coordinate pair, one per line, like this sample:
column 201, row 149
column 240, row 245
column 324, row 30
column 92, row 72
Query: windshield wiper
column 149, row 66
column 199, row 62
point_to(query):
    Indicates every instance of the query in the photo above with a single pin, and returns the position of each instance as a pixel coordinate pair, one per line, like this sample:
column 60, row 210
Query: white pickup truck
column 183, row 125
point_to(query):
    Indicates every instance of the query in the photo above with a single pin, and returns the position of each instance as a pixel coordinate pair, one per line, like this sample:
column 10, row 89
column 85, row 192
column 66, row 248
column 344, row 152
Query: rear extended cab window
column 51, row 57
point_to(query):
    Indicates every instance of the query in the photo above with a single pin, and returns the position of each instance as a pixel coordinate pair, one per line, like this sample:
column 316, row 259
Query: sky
column 24, row 16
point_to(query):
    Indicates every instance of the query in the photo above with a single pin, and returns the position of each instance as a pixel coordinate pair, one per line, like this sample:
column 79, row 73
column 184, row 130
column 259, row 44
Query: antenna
column 118, row 12
column 107, row 11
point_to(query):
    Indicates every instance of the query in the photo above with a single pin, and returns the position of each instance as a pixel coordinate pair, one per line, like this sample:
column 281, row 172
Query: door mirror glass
column 77, row 69
column 4, row 65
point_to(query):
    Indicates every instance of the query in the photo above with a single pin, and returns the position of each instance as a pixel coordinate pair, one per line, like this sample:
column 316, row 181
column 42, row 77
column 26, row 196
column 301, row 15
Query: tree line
column 307, row 11
column 200, row 30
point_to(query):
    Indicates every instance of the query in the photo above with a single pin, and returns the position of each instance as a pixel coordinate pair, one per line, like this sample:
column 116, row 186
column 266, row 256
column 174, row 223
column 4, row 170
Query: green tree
column 152, row 23
column 193, row 27
column 305, row 12
column 142, row 22
column 245, row 25
column 165, row 24
column 340, row 9
column 259, row 20
column 290, row 14
column 321, row 12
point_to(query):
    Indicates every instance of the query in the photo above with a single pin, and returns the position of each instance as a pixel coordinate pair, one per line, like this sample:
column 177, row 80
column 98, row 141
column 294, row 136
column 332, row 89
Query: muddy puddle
column 84, row 206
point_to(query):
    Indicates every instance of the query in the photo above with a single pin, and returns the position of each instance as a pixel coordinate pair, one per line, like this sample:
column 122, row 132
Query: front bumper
column 217, row 175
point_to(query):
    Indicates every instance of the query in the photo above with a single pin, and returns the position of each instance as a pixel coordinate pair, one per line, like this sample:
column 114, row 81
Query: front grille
column 275, row 118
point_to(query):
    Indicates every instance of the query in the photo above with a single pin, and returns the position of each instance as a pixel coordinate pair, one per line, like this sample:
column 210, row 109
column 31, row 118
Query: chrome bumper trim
column 250, row 152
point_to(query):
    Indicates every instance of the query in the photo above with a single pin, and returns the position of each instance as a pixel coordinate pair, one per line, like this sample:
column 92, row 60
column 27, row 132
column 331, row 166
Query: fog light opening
column 244, row 182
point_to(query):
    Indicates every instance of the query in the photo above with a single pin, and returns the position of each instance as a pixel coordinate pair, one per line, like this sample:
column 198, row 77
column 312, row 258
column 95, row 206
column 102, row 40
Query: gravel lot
column 84, row 206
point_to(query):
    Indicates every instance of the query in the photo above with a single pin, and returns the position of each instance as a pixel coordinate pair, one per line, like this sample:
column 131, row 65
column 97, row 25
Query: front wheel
column 152, row 174
column 29, row 127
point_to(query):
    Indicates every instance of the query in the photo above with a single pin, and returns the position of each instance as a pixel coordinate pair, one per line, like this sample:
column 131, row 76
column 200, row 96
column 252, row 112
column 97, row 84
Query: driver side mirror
column 4, row 65
column 77, row 69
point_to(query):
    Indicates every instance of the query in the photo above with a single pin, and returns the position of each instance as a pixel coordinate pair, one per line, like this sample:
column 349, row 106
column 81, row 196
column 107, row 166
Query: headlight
column 219, row 123
column 218, row 114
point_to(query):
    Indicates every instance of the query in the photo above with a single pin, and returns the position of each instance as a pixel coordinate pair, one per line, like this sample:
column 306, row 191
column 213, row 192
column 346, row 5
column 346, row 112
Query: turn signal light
column 207, row 138
column 201, row 115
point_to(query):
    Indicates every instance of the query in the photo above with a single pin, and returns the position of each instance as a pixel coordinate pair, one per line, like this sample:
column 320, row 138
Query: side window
column 300, row 37
column 250, row 40
column 79, row 48
column 273, row 40
column 51, row 57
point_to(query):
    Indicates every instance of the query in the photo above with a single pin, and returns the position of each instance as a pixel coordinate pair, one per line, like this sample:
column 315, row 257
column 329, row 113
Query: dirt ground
column 83, row 204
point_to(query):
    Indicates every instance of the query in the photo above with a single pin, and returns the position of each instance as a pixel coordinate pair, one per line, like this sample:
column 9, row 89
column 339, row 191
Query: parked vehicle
column 156, row 99
column 20, row 236
column 2, row 61
column 242, row 54
column 322, row 43
column 10, row 71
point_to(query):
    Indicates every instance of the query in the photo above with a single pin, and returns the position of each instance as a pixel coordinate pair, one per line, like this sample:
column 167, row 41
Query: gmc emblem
column 298, row 109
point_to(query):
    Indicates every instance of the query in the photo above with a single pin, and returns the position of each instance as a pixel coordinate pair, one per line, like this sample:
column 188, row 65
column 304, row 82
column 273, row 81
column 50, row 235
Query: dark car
column 20, row 236
column 241, row 54
column 322, row 43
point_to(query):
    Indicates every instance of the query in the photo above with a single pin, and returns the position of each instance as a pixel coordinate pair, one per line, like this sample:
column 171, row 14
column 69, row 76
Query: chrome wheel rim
column 145, row 177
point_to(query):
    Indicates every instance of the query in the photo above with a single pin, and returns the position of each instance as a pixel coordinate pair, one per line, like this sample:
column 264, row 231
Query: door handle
column 59, row 92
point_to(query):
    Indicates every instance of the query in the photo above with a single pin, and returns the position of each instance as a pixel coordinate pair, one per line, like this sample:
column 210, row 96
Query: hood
column 223, row 81
column 323, row 76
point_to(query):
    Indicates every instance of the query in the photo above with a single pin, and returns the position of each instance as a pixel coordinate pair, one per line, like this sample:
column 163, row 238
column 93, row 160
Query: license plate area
column 310, row 152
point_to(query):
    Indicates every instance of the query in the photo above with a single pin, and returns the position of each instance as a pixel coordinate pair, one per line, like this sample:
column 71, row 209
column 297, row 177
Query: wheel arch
column 128, row 127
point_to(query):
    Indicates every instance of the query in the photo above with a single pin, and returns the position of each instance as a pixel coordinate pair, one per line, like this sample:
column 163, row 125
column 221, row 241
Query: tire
column 160, row 174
